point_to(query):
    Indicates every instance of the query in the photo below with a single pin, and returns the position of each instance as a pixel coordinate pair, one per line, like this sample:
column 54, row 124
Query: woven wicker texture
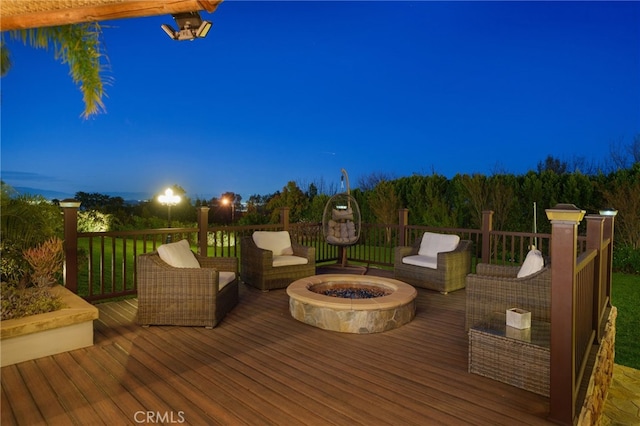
column 495, row 288
column 256, row 266
column 516, row 362
column 453, row 267
column 184, row 296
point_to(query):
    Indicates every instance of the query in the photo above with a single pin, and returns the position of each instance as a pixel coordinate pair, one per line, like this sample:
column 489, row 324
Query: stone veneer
column 360, row 316
column 600, row 381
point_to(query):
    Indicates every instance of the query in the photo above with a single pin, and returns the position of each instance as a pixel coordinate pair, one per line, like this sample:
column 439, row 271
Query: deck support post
column 564, row 244
column 403, row 221
column 284, row 218
column 487, row 227
column 203, row 227
column 70, row 269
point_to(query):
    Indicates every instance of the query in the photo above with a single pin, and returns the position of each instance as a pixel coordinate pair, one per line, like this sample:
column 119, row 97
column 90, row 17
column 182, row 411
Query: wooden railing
column 580, row 294
column 101, row 265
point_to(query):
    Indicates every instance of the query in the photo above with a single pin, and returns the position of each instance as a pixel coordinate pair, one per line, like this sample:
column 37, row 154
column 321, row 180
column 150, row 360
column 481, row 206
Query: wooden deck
column 261, row 367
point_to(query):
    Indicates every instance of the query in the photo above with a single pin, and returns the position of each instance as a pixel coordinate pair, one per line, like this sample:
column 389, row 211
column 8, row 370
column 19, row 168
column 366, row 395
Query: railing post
column 487, row 227
column 595, row 233
column 70, row 270
column 284, row 218
column 609, row 219
column 564, row 243
column 203, row 226
column 403, row 221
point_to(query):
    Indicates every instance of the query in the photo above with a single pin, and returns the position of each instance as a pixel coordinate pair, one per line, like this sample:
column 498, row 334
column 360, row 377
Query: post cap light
column 608, row 212
column 69, row 202
column 565, row 213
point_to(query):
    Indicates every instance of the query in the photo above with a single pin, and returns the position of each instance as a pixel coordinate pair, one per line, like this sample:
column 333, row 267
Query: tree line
column 432, row 200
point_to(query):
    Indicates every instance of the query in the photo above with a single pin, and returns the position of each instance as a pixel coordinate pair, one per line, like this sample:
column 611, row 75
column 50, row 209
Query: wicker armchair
column 184, row 296
column 452, row 268
column 257, row 270
column 495, row 288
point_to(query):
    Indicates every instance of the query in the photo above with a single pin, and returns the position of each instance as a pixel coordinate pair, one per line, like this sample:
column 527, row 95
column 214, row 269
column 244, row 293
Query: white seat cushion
column 532, row 264
column 289, row 260
column 178, row 255
column 433, row 243
column 224, row 278
column 424, row 261
column 278, row 242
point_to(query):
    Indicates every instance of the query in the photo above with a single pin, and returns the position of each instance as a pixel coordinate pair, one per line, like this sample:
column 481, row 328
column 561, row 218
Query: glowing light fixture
column 169, row 199
column 608, row 212
column 190, row 27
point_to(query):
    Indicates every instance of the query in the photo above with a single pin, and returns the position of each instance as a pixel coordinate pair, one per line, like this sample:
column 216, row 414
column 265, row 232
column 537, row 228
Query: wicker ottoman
column 520, row 358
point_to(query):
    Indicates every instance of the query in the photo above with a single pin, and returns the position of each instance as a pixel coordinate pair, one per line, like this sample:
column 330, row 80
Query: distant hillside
column 49, row 195
column 129, row 197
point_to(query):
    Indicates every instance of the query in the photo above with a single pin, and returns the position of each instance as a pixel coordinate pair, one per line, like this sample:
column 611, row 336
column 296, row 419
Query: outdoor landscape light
column 190, row 27
column 169, row 199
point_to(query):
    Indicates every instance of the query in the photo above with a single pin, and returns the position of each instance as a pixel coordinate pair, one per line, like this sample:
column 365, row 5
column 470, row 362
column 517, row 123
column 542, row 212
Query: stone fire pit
column 346, row 315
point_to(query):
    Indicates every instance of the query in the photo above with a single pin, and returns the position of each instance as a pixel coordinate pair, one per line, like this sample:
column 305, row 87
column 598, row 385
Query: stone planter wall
column 41, row 335
column 601, row 375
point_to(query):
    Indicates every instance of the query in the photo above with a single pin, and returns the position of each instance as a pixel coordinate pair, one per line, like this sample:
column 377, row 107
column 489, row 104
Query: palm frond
column 5, row 59
column 79, row 46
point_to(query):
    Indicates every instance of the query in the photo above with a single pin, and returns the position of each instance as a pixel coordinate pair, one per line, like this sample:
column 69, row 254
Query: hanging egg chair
column 341, row 217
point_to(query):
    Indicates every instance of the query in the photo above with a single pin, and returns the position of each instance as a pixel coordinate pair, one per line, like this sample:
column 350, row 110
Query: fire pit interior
column 348, row 290
column 352, row 303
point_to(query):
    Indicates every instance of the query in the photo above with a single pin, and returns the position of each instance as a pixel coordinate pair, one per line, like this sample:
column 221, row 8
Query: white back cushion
column 278, row 242
column 433, row 243
column 532, row 264
column 178, row 255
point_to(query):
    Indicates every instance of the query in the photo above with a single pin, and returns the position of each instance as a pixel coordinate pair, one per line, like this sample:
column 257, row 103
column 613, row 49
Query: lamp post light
column 228, row 202
column 169, row 199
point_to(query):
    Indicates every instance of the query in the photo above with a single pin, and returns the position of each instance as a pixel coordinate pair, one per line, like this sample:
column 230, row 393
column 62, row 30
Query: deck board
column 260, row 366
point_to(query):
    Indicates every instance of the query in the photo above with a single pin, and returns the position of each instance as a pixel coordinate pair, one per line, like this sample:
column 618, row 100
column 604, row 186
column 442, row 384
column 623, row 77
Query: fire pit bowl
column 380, row 304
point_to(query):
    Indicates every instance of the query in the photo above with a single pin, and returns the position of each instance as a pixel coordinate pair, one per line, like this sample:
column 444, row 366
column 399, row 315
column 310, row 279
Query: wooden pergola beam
column 25, row 14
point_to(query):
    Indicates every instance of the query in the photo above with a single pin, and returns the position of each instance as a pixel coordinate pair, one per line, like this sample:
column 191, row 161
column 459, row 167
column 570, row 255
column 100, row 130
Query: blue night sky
column 282, row 91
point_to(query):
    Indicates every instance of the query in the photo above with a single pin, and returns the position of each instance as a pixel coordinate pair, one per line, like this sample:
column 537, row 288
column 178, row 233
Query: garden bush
column 30, row 295
column 626, row 259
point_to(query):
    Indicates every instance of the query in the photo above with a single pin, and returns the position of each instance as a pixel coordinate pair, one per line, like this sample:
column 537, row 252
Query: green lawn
column 626, row 298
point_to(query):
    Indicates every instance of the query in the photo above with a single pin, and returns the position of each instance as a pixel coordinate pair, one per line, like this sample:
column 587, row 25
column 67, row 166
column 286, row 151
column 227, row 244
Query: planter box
column 47, row 334
column 518, row 318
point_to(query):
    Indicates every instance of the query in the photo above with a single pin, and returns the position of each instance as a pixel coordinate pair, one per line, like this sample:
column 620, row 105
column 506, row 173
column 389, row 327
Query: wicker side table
column 520, row 358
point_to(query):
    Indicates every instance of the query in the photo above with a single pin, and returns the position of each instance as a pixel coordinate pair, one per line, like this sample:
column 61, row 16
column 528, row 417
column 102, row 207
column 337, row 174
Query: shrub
column 25, row 222
column 22, row 302
column 46, row 260
column 221, row 239
column 13, row 266
column 94, row 221
column 626, row 259
column 30, row 294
